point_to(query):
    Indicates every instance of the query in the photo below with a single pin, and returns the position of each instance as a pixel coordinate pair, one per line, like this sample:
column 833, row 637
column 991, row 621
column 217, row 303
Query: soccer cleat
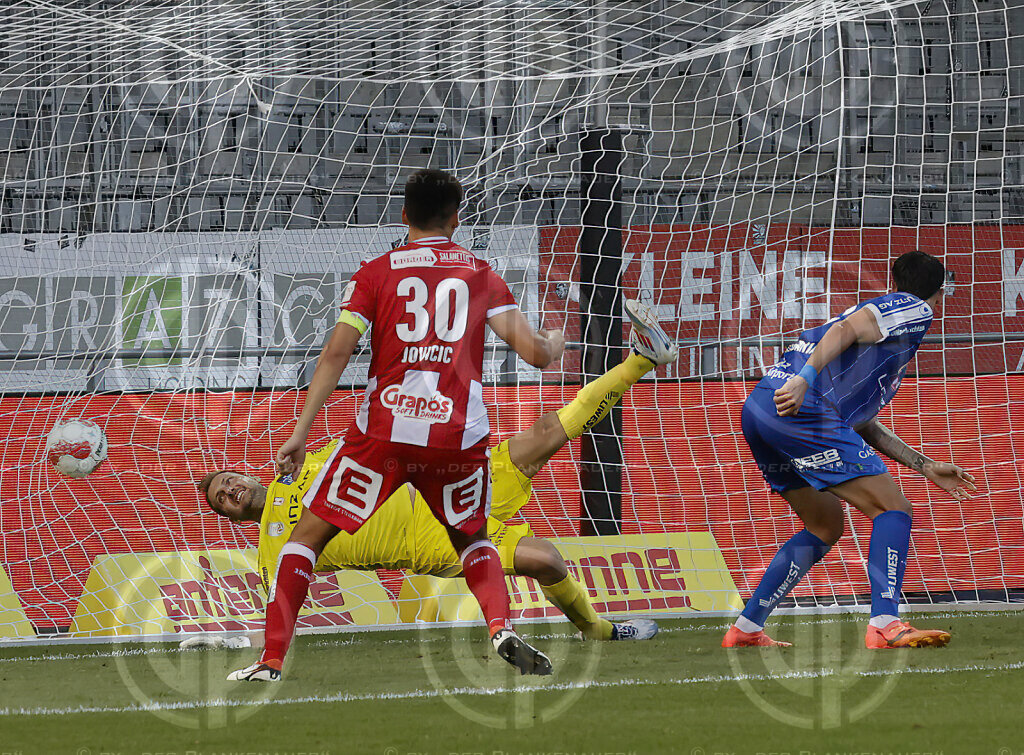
column 898, row 634
column 737, row 638
column 634, row 629
column 515, row 651
column 648, row 338
column 257, row 672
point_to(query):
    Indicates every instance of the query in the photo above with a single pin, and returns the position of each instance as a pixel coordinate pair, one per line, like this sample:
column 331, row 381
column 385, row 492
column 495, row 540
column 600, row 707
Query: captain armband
column 356, row 321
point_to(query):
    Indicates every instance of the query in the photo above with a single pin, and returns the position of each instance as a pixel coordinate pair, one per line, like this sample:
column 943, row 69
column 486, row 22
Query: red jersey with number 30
column 428, row 303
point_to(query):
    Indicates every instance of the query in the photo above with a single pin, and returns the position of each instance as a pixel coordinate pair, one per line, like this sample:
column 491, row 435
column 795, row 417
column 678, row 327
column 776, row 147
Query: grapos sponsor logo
column 777, row 372
column 435, row 409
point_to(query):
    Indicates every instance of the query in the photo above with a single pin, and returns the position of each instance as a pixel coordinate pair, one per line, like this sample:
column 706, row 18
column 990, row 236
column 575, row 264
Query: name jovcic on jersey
column 433, row 353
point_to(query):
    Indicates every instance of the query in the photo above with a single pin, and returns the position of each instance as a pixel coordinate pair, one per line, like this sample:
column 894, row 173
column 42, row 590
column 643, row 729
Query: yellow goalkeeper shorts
column 432, row 552
column 510, row 488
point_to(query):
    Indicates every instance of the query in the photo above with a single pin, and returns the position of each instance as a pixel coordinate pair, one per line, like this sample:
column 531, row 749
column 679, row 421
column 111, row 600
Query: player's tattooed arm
column 885, row 441
column 951, row 478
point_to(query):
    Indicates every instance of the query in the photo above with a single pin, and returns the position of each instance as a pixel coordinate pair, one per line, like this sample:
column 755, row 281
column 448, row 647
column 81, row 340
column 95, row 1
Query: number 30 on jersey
column 451, row 308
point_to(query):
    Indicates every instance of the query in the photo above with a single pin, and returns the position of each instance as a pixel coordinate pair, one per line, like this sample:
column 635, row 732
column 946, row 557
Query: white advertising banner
column 179, row 311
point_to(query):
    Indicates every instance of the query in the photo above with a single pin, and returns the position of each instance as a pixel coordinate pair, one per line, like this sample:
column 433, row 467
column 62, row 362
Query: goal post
column 188, row 186
column 600, row 258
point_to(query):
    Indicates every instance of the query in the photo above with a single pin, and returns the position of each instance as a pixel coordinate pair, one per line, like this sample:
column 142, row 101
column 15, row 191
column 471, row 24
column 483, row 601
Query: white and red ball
column 76, row 447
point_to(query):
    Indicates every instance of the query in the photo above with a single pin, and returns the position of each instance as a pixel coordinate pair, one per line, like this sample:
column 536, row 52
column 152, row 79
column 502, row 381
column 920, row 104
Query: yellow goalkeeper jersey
column 401, row 534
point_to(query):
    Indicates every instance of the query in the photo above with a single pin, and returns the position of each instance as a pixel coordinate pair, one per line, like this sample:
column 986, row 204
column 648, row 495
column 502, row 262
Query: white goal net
column 188, row 184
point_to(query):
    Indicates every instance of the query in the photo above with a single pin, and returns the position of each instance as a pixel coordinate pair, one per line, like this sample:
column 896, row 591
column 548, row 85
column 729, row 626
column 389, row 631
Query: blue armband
column 808, row 373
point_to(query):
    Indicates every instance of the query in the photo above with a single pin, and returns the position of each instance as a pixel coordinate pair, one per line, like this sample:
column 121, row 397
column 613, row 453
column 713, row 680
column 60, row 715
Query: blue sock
column 791, row 563
column 887, row 560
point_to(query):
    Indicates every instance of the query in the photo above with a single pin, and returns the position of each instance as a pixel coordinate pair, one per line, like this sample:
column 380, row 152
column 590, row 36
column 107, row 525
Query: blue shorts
column 813, row 448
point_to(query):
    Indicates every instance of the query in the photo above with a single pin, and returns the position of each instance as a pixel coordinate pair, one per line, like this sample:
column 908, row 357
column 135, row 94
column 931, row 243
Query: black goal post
column 600, row 257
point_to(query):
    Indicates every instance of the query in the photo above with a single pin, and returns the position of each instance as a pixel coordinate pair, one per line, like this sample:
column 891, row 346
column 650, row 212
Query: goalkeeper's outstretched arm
column 951, row 478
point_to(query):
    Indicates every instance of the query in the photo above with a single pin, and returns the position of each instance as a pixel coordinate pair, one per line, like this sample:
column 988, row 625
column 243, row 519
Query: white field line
column 423, row 694
column 435, row 635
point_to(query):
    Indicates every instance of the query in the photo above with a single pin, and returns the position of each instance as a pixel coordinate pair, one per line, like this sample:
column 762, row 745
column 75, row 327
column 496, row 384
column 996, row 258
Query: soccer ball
column 76, row 447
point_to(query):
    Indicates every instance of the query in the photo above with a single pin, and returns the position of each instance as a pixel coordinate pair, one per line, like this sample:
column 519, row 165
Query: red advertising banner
column 687, row 470
column 741, row 289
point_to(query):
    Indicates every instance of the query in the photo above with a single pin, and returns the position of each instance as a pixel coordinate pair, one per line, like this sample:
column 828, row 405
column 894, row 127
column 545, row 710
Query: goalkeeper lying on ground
column 403, row 534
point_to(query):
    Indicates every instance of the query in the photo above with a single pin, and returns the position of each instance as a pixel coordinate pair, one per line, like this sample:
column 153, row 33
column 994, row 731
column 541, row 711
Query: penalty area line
column 426, row 694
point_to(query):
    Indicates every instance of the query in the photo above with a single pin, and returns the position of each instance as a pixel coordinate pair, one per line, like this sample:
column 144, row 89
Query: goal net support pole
column 600, row 260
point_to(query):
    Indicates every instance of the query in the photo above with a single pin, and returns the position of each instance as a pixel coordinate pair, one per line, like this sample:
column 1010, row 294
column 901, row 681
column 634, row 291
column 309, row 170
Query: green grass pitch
column 441, row 691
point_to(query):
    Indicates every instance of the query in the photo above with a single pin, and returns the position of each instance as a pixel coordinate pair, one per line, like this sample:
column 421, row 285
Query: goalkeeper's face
column 236, row 496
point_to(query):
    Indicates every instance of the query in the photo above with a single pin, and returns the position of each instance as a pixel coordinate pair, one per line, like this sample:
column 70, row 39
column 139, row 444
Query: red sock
column 294, row 573
column 481, row 567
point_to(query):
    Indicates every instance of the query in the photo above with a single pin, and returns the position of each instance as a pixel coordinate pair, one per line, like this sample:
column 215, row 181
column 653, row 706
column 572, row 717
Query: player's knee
column 881, row 504
column 900, row 503
column 828, row 531
column 460, row 540
column 540, row 560
column 313, row 533
column 550, row 427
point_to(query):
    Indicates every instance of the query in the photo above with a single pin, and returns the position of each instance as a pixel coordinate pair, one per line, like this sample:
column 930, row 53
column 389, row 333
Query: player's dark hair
column 431, row 198
column 918, row 273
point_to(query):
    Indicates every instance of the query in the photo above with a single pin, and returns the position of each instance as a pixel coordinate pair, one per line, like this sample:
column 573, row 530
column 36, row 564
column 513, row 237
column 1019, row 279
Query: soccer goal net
column 188, row 185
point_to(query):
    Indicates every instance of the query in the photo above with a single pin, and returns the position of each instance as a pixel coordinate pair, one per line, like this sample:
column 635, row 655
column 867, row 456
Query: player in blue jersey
column 811, row 425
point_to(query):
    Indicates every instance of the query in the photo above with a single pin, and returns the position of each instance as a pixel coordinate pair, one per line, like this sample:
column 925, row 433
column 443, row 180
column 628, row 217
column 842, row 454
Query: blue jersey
column 865, row 377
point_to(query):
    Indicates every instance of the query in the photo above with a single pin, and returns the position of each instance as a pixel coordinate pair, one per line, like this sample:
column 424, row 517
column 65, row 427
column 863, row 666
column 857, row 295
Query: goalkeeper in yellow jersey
column 403, row 534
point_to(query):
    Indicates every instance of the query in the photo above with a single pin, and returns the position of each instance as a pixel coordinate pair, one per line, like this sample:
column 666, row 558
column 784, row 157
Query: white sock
column 746, row 625
column 881, row 622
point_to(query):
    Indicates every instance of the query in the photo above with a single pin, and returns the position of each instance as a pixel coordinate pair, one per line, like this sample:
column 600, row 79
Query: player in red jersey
column 422, row 420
